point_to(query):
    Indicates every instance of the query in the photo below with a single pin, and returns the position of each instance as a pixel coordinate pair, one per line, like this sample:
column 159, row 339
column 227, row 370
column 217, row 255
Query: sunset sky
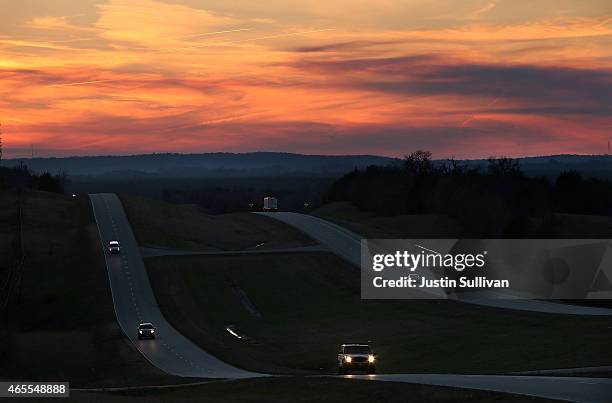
column 465, row 78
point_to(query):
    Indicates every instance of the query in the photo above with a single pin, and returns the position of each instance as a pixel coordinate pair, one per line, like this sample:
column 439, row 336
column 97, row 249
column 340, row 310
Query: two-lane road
column 135, row 303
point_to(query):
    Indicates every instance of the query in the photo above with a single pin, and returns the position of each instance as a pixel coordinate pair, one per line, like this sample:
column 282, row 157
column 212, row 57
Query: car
column 114, row 247
column 146, row 330
column 356, row 357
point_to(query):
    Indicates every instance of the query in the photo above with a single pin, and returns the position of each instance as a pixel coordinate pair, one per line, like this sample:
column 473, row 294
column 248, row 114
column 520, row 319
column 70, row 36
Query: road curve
column 347, row 245
column 135, row 302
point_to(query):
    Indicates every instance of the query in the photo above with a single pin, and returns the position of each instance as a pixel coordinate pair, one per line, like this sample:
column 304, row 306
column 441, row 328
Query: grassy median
column 189, row 227
column 307, row 304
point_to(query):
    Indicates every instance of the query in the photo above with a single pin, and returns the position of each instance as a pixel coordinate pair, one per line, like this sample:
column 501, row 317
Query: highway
column 171, row 352
column 347, row 245
column 134, row 302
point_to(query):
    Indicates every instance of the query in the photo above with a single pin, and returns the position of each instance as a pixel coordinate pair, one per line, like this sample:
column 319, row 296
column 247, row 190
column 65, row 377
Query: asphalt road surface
column 171, row 352
column 347, row 245
column 134, row 302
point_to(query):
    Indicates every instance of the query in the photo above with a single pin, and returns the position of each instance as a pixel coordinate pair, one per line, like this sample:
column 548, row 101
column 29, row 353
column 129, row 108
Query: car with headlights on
column 146, row 331
column 356, row 357
column 113, row 247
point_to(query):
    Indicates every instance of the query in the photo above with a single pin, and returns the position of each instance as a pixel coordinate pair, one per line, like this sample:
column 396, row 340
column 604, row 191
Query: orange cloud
column 211, row 77
column 58, row 23
column 158, row 24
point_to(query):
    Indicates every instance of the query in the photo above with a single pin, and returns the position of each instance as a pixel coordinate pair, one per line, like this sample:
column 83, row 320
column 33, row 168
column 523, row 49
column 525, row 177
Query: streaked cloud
column 81, row 83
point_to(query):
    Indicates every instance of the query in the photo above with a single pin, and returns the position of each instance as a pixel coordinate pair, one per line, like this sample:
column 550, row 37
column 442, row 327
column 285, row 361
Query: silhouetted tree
column 573, row 194
column 419, row 162
column 452, row 167
column 504, row 167
column 48, row 183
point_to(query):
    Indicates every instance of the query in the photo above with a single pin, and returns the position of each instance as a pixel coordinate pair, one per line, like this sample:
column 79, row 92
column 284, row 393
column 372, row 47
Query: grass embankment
column 372, row 226
column 305, row 390
column 8, row 233
column 310, row 303
column 188, row 227
column 63, row 326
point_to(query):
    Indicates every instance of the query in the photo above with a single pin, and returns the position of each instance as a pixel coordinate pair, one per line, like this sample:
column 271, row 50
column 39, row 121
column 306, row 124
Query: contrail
column 214, row 121
column 72, row 40
column 227, row 119
column 485, row 9
column 215, row 33
column 261, row 38
column 468, row 120
column 80, row 83
column 221, row 120
column 474, row 117
column 493, row 102
column 283, row 35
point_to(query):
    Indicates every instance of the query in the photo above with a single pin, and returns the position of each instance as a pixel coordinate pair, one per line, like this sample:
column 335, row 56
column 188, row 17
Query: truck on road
column 270, row 204
column 356, row 357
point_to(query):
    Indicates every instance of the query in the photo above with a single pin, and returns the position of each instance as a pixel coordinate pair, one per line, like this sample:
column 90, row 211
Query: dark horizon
column 169, row 153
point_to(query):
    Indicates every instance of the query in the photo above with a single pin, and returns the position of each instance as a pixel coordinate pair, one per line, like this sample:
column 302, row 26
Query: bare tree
column 504, row 166
column 418, row 162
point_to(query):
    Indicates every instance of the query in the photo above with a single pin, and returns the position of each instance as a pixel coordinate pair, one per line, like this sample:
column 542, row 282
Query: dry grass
column 188, row 227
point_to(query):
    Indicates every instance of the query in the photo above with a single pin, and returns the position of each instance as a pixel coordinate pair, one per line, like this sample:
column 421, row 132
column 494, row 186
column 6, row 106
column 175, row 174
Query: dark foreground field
column 300, row 389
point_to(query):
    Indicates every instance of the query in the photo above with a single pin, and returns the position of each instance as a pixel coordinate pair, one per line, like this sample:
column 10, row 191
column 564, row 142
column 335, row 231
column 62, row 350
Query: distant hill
column 275, row 164
column 198, row 165
column 550, row 166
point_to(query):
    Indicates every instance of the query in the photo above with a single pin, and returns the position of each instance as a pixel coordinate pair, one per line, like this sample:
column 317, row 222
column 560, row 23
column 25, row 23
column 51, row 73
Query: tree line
column 22, row 177
column 497, row 200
